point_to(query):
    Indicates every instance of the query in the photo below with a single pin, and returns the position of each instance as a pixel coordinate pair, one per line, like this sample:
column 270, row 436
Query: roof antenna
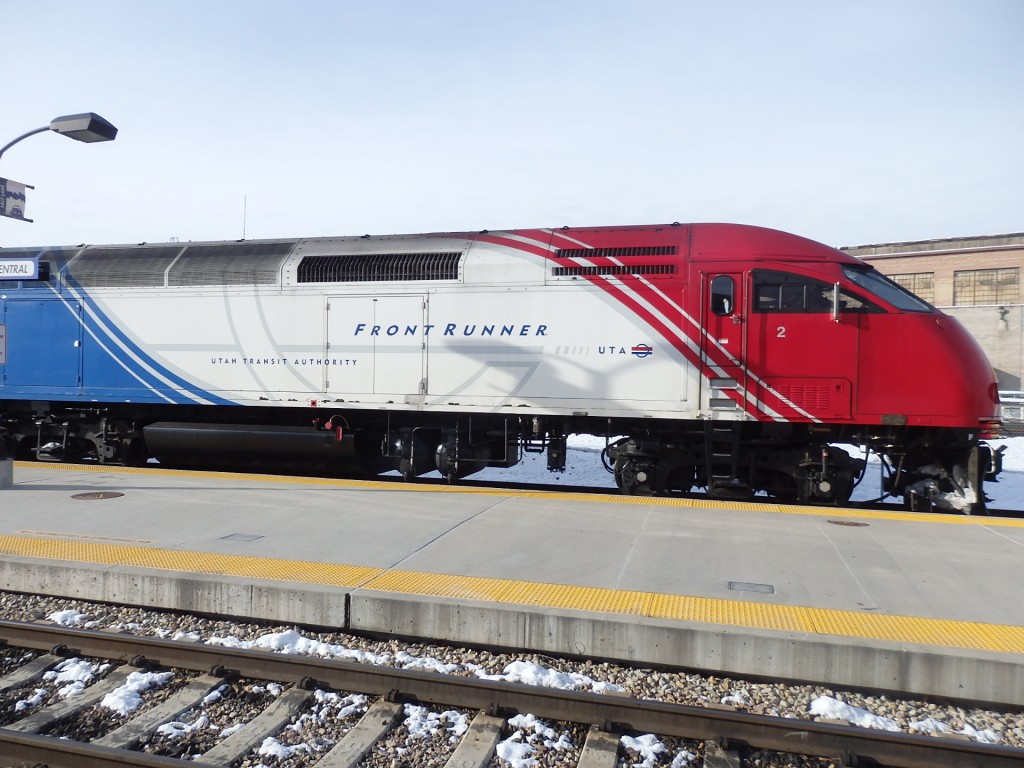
column 245, row 205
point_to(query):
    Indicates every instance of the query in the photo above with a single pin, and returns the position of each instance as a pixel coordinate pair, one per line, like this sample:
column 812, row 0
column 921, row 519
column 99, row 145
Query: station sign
column 19, row 267
column 12, row 199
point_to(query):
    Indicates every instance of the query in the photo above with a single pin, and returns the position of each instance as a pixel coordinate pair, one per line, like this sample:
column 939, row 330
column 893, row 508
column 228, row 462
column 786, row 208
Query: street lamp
column 88, row 127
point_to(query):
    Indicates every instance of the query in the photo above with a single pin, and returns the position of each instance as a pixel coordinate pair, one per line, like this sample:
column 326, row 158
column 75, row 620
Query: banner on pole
column 12, row 199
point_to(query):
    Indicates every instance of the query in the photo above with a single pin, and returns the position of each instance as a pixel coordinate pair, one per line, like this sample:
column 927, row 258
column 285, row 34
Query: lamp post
column 88, row 127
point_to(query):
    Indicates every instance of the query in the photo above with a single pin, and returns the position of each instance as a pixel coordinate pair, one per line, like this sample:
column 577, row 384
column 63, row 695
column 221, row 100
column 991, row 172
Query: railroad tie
column 47, row 716
column 600, row 750
column 132, row 732
column 267, row 723
column 29, row 672
column 350, row 751
column 477, row 747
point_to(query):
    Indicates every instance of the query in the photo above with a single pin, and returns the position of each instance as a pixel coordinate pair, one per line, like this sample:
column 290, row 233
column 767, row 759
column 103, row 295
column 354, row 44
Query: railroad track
column 726, row 734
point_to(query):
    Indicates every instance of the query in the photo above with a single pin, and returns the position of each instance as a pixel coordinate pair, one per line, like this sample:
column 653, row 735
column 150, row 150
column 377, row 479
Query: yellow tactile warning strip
column 610, row 498
column 191, row 562
column 624, row 603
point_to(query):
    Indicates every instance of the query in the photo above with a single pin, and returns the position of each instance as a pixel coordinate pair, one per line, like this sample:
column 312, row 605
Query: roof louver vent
column 617, row 253
column 615, row 269
column 124, row 267
column 231, row 264
column 190, row 265
column 380, row 267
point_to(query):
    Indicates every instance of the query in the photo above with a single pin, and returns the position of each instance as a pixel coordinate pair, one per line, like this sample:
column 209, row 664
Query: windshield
column 788, row 292
column 878, row 284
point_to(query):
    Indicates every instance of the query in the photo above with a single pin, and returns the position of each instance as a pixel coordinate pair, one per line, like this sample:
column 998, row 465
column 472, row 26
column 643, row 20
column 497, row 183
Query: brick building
column 975, row 279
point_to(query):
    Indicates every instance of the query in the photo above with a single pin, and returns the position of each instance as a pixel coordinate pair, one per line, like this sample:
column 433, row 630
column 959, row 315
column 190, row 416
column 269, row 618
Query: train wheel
column 679, row 481
column 979, row 460
column 947, row 483
column 634, row 478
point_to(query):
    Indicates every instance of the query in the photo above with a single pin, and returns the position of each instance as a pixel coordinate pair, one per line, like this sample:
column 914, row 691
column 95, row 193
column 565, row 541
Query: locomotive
column 724, row 357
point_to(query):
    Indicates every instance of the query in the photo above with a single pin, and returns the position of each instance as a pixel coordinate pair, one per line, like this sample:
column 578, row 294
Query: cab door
column 803, row 345
column 723, row 342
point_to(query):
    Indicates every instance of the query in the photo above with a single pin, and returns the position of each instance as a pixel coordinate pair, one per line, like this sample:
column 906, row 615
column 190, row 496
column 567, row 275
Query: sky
column 850, row 123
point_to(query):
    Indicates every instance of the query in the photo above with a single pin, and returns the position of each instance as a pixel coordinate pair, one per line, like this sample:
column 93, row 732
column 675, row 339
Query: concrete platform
column 926, row 604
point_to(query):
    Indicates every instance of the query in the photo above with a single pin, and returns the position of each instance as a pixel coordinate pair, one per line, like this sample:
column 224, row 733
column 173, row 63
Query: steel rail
column 30, row 749
column 612, row 713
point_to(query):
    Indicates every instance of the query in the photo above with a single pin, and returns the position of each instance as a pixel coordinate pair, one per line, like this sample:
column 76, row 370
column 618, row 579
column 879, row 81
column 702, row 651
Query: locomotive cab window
column 879, row 285
column 787, row 292
column 723, row 292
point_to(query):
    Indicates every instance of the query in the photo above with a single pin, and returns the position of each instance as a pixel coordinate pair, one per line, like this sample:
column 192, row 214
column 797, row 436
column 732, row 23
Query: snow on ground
column 73, row 675
column 422, row 723
column 293, row 642
column 534, row 674
column 70, row 618
column 827, row 706
column 649, row 748
column 528, row 735
column 126, row 698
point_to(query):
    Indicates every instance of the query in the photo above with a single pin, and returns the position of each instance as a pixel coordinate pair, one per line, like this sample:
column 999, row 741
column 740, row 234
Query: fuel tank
column 273, row 447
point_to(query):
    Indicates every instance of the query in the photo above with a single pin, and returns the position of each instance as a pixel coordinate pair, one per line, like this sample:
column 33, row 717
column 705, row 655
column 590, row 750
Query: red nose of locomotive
column 926, row 370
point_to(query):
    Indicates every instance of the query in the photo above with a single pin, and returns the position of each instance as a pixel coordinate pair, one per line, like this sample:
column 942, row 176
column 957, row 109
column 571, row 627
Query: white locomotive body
column 714, row 355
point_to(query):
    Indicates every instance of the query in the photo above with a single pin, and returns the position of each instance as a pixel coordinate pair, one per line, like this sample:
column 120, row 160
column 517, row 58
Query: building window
column 986, row 286
column 921, row 284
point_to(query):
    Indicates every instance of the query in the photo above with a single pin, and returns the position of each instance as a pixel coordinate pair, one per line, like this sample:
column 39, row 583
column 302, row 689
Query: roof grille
column 617, row 253
column 615, row 269
column 146, row 266
column 231, row 264
column 380, row 267
column 125, row 267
